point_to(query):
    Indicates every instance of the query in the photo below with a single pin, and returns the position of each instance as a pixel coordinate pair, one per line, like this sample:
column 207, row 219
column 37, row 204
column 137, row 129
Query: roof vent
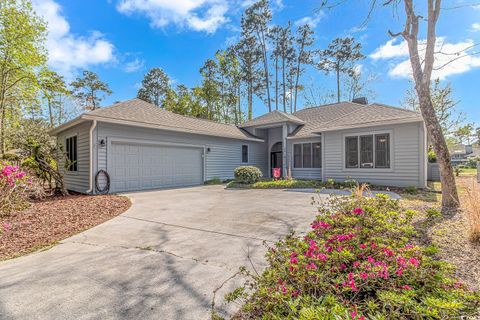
column 360, row 100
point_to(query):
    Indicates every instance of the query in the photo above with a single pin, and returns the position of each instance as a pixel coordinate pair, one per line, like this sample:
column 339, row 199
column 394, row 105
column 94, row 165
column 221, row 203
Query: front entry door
column 276, row 160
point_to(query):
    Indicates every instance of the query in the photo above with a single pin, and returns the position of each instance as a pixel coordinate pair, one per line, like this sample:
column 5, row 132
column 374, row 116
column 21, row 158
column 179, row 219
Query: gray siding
column 77, row 181
column 408, row 160
column 433, row 172
column 224, row 156
column 301, row 173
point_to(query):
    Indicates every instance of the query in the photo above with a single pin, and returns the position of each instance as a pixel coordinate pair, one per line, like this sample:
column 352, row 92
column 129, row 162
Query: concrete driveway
column 162, row 259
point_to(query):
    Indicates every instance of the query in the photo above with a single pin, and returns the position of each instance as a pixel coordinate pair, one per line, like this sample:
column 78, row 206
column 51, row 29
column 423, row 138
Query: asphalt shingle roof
column 272, row 118
column 346, row 115
column 142, row 112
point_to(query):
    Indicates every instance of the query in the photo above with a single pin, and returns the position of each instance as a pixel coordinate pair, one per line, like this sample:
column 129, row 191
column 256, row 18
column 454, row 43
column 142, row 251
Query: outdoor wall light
column 102, row 143
column 208, row 150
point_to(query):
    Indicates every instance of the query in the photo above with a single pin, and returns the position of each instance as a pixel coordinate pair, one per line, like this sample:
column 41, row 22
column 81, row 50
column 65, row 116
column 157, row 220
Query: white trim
column 90, row 170
column 323, row 157
column 368, row 170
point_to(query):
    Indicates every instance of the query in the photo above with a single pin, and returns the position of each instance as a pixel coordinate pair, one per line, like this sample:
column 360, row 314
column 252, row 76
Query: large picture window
column 307, row 155
column 72, row 155
column 367, row 151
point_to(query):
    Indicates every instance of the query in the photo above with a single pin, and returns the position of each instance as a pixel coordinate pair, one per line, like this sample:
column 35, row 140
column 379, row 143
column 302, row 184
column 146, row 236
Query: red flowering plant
column 357, row 262
column 14, row 188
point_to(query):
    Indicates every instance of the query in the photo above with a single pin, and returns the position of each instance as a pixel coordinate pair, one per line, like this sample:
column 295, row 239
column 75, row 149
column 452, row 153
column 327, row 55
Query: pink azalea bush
column 357, row 262
column 14, row 188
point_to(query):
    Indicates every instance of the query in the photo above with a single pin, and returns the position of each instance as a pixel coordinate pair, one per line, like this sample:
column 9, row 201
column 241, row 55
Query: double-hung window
column 367, row 151
column 72, row 154
column 307, row 155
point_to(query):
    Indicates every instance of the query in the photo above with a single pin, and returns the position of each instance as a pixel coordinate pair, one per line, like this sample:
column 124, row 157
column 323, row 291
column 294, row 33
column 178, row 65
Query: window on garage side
column 72, row 153
column 244, row 153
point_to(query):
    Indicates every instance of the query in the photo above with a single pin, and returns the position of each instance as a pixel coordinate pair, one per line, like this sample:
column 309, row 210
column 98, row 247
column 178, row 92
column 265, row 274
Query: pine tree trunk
column 276, row 82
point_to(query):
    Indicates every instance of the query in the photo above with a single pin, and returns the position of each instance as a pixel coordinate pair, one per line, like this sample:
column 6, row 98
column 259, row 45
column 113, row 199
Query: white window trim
column 68, row 136
column 367, row 133
column 302, row 143
column 248, row 153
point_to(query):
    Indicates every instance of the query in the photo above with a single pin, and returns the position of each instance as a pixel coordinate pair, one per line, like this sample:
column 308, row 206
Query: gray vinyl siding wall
column 77, row 181
column 408, row 157
column 224, row 156
column 303, row 173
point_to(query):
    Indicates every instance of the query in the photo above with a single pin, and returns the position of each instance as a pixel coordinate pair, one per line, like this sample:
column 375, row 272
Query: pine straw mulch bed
column 48, row 221
column 449, row 233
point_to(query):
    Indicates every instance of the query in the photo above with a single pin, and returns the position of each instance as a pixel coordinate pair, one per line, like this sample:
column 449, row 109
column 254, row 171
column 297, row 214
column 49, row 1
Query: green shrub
column 411, row 190
column 213, row 181
column 432, row 156
column 432, row 213
column 357, row 262
column 247, row 174
column 287, row 184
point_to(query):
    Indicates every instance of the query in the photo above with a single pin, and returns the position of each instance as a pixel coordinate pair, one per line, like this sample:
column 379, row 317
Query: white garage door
column 140, row 167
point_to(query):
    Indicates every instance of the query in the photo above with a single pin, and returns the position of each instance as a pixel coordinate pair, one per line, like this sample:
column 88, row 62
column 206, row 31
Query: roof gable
column 273, row 117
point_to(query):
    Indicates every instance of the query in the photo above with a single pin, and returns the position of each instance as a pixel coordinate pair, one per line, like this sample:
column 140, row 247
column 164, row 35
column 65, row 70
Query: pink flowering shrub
column 357, row 262
column 14, row 188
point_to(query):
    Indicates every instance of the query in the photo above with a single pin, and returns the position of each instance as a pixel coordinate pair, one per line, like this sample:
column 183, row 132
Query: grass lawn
column 48, row 221
column 468, row 172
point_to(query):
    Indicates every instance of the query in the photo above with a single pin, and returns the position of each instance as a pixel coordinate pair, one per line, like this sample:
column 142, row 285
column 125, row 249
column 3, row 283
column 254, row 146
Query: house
column 460, row 153
column 143, row 147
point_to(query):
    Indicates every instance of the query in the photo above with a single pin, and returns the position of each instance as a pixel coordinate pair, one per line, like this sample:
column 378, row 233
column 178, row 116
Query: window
column 72, row 156
column 244, row 153
column 366, row 151
column 307, row 155
column 382, row 151
column 351, row 152
column 297, row 155
column 369, row 151
column 317, row 155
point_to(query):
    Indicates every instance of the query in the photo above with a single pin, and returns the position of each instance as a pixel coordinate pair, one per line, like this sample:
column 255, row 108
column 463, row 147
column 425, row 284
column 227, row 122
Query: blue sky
column 122, row 39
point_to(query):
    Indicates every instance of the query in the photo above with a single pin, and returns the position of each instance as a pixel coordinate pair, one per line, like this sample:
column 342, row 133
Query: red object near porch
column 276, row 173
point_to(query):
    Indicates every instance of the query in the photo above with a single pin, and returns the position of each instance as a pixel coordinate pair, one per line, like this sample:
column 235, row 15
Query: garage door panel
column 140, row 167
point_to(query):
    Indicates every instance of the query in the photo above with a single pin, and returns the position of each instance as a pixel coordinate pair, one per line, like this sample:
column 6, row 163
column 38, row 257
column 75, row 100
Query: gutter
column 90, row 171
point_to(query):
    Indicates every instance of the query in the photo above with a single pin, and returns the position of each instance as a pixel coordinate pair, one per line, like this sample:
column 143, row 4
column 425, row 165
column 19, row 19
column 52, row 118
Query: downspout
column 92, row 127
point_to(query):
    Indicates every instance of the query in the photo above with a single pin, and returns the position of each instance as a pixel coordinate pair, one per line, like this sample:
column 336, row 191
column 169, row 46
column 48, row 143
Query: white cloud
column 475, row 27
column 198, row 15
column 68, row 52
column 450, row 58
column 310, row 20
column 134, row 65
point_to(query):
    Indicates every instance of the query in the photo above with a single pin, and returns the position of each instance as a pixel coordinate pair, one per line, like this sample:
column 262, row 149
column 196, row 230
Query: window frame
column 312, row 155
column 73, row 168
column 248, row 153
column 374, row 134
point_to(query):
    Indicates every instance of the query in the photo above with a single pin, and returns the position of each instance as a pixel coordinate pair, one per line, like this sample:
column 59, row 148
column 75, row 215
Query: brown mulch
column 53, row 219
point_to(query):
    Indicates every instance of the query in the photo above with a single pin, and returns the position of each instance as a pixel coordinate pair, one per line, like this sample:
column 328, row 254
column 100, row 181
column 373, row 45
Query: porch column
column 284, row 150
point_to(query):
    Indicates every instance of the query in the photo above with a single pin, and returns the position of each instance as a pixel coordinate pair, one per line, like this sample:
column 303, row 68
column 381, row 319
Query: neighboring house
column 143, row 147
column 460, row 153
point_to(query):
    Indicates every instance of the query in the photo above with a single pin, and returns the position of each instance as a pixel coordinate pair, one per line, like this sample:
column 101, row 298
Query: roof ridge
column 326, row 105
column 392, row 107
